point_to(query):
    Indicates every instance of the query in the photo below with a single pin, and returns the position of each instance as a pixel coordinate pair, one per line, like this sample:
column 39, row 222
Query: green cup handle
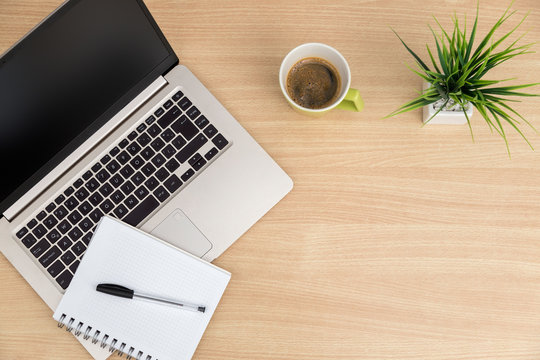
column 352, row 101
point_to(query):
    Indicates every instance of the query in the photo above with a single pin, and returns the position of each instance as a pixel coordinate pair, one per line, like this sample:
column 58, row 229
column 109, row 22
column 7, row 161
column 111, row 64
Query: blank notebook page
column 121, row 254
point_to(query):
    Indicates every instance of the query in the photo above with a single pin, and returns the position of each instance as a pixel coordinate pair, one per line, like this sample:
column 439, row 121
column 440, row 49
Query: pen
column 121, row 291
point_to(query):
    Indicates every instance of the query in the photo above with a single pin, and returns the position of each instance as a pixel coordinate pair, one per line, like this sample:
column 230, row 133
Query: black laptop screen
column 66, row 78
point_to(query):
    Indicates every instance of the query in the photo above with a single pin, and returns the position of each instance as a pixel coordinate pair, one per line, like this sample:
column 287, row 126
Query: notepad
column 121, row 254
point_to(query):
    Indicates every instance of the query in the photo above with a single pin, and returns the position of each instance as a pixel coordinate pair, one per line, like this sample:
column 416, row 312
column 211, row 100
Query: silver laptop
column 97, row 117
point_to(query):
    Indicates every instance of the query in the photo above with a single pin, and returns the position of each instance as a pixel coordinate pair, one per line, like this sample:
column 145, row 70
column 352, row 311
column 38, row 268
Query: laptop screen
column 67, row 78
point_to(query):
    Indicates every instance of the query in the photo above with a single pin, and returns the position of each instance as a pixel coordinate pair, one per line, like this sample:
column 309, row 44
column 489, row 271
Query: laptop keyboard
column 129, row 182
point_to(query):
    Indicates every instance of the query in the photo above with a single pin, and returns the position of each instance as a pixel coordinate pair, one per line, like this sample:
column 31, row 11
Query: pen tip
column 202, row 308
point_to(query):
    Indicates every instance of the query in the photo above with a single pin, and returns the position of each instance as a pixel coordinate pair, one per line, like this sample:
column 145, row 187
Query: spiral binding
column 95, row 338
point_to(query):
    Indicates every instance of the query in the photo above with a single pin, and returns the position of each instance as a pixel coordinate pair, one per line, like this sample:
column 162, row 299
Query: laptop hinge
column 82, row 150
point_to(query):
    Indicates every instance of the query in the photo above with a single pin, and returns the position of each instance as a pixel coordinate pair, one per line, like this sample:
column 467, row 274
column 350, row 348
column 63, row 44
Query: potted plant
column 456, row 84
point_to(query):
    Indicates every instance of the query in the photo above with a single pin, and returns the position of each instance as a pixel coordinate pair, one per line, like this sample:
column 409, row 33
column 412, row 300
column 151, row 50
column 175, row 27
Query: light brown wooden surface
column 397, row 241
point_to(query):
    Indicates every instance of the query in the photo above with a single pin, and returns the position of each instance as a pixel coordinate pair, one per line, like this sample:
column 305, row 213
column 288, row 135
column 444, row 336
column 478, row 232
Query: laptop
column 98, row 117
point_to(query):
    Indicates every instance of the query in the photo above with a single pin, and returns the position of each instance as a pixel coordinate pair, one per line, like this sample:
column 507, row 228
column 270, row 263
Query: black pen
column 118, row 290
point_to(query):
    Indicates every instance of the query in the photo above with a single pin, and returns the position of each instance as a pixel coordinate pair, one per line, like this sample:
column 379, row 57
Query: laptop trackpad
column 178, row 230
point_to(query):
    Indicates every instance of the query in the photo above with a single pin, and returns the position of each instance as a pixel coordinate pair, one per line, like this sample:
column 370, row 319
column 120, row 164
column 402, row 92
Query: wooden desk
column 397, row 241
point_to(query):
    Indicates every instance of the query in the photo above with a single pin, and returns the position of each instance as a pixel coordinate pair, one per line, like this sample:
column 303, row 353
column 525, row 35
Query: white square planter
column 445, row 117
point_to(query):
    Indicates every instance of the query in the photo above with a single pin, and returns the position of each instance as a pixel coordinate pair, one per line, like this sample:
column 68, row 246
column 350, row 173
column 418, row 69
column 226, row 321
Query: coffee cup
column 315, row 78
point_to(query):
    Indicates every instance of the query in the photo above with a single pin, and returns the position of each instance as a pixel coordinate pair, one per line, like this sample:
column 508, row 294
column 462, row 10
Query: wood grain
column 397, row 242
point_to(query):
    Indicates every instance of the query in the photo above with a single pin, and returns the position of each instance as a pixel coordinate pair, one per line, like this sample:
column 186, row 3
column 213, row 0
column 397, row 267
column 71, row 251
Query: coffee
column 313, row 83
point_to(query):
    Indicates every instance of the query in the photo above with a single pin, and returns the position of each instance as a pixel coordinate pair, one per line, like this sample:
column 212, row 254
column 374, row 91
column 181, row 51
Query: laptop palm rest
column 178, row 230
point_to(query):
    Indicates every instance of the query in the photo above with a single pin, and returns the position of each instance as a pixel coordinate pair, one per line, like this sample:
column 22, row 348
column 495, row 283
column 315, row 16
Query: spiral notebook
column 121, row 254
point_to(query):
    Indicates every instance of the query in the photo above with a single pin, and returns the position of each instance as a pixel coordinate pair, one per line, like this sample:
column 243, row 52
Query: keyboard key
column 64, row 226
column 172, row 165
column 158, row 160
column 123, row 157
column 50, row 207
column 141, row 128
column 71, row 203
column 173, row 183
column 96, row 198
column 188, row 174
column 161, row 194
column 220, row 141
column 70, row 190
column 81, row 194
column 92, row 185
column 194, row 159
column 60, row 212
column 74, row 217
column 168, row 151
column 115, row 150
column 137, row 162
column 141, row 211
column 85, row 208
column 159, row 112
column 64, row 279
column 168, row 104
column 148, row 169
column 123, row 143
column 64, row 243
column 147, row 153
column 127, row 171
column 22, row 232
column 192, row 147
column 75, row 234
column 32, row 223
column 167, row 135
column 73, row 267
column 178, row 96
column 40, row 248
column 211, row 153
column 184, row 103
column 86, row 238
column 157, row 144
column 179, row 142
column 150, row 120
column 210, row 131
column 41, row 215
column 113, row 166
column 86, row 224
column 78, row 183
column 128, row 187
column 106, row 206
column 53, row 236
column 193, row 112
column 29, row 240
column 131, row 202
column 96, row 215
column 185, row 127
column 141, row 192
column 138, row 178
column 116, row 180
column 87, row 175
column 50, row 256
column 39, row 231
column 103, row 176
column 133, row 148
column 151, row 184
column 96, row 167
column 60, row 199
column 201, row 122
column 132, row 135
column 105, row 159
column 120, row 211
column 144, row 139
column 169, row 117
column 162, row 174
column 56, row 268
column 117, row 197
column 154, row 130
column 198, row 164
